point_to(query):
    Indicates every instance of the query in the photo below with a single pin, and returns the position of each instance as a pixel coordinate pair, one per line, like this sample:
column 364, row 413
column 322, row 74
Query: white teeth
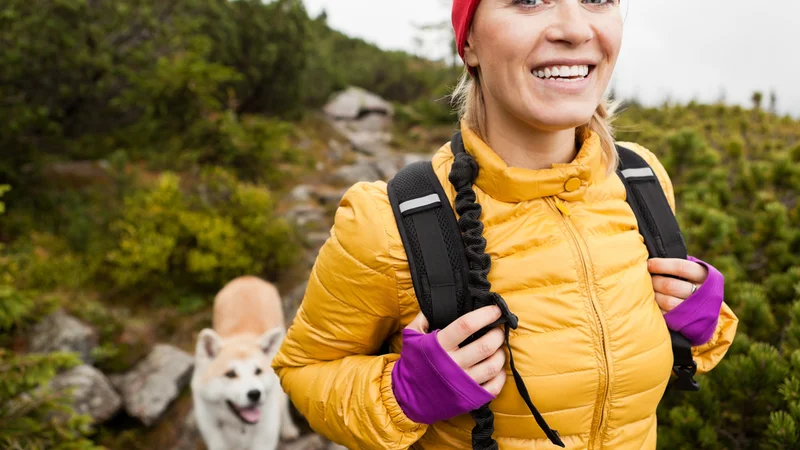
column 562, row 72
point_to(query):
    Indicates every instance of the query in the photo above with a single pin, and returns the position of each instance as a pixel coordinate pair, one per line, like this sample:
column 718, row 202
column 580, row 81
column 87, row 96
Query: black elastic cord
column 462, row 176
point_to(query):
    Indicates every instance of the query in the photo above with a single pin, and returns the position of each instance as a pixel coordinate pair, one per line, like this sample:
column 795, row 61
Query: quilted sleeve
column 326, row 364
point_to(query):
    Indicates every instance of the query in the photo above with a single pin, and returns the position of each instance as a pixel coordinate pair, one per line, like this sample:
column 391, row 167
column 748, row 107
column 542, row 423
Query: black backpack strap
column 439, row 269
column 663, row 238
column 432, row 240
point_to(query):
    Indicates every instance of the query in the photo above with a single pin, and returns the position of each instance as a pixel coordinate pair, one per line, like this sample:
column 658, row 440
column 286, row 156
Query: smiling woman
column 556, row 281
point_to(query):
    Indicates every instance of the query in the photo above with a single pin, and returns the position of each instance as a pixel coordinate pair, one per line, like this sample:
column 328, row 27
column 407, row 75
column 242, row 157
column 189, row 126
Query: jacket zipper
column 561, row 209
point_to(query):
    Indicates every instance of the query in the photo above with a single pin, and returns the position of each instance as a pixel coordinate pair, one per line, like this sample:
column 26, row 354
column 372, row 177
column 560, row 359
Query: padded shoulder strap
column 657, row 223
column 663, row 238
column 433, row 244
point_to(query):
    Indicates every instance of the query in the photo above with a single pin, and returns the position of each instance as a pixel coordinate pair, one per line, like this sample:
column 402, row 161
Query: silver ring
column 694, row 288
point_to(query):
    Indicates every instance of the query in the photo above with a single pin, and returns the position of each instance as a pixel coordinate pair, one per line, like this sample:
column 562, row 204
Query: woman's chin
column 557, row 120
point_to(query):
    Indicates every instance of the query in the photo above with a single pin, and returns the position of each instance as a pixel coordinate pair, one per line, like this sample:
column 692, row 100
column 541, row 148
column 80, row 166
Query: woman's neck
column 520, row 145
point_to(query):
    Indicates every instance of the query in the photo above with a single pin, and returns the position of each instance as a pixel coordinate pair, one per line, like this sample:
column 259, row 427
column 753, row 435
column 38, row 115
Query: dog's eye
column 258, row 371
column 230, row 374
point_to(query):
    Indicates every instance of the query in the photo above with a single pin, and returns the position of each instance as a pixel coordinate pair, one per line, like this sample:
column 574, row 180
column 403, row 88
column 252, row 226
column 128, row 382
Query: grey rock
column 354, row 173
column 292, row 301
column 328, row 196
column 151, row 386
column 62, row 332
column 301, row 193
column 317, row 239
column 388, row 166
column 370, row 143
column 354, row 101
column 410, row 158
column 91, row 390
column 306, row 214
column 336, row 150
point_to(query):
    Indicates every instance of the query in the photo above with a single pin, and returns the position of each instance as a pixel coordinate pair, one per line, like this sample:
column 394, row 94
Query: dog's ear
column 208, row 344
column 270, row 340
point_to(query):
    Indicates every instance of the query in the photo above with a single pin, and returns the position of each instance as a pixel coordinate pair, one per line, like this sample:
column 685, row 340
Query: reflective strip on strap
column 638, row 173
column 419, row 202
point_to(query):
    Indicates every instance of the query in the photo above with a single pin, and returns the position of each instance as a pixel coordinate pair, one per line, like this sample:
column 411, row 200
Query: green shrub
column 198, row 238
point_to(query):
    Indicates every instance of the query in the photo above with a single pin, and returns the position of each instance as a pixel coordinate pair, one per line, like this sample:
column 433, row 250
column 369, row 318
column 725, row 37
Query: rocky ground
column 155, row 390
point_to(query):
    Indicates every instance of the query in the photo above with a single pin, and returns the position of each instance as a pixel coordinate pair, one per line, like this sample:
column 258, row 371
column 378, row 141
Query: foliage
column 736, row 187
column 31, row 415
column 200, row 238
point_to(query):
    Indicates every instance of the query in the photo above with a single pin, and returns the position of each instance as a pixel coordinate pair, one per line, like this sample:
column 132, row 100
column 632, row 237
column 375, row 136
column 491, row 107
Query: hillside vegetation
column 149, row 148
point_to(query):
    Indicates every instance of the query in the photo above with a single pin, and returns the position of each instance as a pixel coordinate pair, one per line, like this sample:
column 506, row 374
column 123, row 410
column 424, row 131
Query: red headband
column 463, row 11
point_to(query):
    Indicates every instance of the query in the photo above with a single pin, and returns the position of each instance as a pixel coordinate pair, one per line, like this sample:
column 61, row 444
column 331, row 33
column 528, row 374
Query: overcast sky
column 683, row 49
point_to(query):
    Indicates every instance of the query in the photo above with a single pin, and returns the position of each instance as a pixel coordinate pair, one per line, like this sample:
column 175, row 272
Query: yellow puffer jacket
column 567, row 256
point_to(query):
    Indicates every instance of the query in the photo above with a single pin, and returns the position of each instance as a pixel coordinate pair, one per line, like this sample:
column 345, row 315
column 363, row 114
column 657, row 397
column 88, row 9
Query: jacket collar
column 515, row 184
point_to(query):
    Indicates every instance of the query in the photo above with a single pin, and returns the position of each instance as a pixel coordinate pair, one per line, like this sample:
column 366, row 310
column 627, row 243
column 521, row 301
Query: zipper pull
column 561, row 206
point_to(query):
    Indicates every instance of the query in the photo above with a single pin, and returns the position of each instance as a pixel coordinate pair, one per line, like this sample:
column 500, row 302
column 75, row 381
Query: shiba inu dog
column 238, row 400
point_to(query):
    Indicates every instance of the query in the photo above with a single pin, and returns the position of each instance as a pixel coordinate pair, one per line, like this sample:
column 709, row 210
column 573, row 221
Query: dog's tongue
column 251, row 414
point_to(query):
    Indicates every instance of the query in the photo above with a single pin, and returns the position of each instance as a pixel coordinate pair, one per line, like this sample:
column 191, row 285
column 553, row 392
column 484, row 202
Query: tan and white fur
column 238, row 400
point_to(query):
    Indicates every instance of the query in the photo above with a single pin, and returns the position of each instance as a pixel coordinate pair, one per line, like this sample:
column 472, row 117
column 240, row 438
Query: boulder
column 92, row 392
column 354, row 102
column 328, row 196
column 352, row 174
column 301, row 193
column 367, row 141
column 62, row 332
column 336, row 150
column 305, row 214
column 151, row 386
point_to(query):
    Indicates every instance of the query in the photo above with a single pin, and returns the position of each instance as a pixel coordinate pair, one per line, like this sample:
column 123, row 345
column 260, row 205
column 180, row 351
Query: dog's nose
column 254, row 395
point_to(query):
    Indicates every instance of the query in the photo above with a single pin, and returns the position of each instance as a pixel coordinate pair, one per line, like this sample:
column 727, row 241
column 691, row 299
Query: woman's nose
column 571, row 24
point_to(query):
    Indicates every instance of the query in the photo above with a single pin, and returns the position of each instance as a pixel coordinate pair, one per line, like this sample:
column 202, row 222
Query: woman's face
column 545, row 62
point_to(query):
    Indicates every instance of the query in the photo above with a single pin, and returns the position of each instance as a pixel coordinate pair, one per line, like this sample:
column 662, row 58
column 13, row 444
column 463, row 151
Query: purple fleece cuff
column 696, row 318
column 429, row 386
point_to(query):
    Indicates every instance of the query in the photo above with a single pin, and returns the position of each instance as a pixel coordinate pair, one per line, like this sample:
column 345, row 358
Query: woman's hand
column 484, row 359
column 671, row 292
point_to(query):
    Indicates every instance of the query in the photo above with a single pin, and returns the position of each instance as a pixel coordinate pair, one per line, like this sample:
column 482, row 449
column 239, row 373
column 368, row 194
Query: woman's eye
column 529, row 3
column 601, row 2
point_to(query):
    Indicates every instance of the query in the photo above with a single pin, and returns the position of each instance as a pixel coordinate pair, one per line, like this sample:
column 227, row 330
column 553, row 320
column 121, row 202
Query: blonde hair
column 467, row 99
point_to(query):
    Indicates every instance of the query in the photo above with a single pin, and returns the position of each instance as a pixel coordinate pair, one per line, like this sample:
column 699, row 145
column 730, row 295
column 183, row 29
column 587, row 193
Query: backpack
column 441, row 273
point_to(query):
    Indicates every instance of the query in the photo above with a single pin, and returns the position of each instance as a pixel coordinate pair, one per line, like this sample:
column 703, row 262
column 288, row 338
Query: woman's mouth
column 566, row 74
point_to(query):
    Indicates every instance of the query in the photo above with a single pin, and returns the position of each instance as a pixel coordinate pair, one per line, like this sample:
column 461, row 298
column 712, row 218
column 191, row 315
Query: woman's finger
column 672, row 286
column 667, row 302
column 419, row 324
column 489, row 368
column 467, row 325
column 479, row 350
column 495, row 385
column 681, row 268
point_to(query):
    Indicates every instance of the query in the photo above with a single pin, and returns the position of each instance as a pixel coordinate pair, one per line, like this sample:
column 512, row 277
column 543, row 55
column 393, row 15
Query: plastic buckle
column 686, row 381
